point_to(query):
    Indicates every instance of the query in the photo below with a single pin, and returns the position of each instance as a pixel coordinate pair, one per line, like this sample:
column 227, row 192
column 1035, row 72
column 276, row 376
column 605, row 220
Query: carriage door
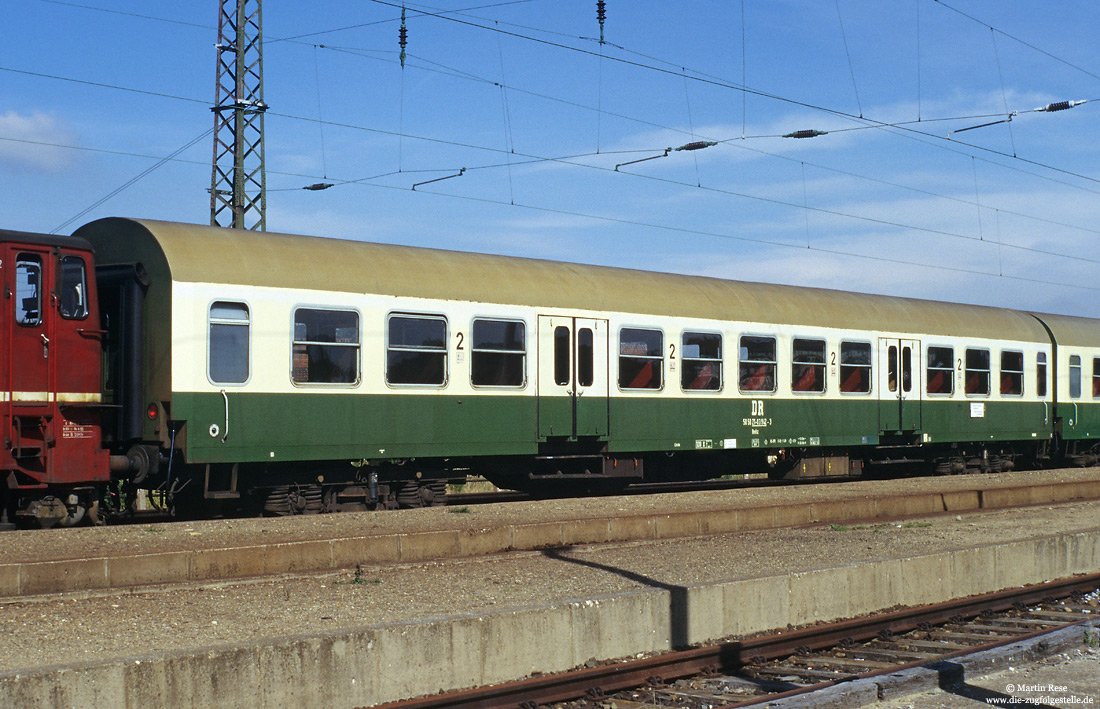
column 572, row 377
column 899, row 385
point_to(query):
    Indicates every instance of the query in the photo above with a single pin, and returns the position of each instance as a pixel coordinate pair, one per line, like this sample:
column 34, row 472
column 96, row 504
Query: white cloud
column 33, row 141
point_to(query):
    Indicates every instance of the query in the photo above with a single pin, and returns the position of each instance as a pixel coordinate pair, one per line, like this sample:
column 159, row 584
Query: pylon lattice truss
column 238, row 195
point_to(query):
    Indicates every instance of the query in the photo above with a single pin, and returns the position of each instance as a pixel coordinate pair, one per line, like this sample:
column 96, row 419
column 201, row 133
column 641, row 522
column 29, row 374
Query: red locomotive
column 53, row 459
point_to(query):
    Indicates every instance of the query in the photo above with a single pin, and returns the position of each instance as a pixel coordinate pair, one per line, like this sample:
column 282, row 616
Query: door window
column 561, row 355
column 586, row 364
column 28, row 290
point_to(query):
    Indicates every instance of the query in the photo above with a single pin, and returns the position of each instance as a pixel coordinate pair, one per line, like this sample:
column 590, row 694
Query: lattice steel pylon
column 238, row 194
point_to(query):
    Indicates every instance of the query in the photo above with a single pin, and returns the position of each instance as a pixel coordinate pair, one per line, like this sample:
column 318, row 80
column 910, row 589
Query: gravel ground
column 1065, row 680
column 82, row 627
column 85, row 542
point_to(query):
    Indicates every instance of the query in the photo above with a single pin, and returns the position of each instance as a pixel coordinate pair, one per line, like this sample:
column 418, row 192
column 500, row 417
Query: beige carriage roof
column 214, row 255
column 1072, row 331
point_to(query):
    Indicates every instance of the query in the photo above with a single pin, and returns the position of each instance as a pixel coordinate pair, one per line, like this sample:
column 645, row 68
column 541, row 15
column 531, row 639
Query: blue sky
column 94, row 93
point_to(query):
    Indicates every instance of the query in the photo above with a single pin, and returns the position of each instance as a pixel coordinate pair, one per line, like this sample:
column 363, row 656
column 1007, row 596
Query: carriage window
column 1075, row 377
column 1041, row 374
column 641, row 358
column 326, row 346
column 808, row 365
column 941, row 370
column 701, row 361
column 756, row 361
column 416, row 350
column 74, row 289
column 977, row 372
column 28, row 290
column 1012, row 373
column 855, row 367
column 227, row 358
column 498, row 353
column 1096, row 377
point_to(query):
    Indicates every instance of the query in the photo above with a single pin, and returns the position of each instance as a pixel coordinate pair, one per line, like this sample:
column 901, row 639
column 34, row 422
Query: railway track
column 480, row 498
column 757, row 670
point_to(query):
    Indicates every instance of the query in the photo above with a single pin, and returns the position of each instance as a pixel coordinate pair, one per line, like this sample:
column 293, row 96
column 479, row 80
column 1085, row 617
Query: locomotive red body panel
column 50, row 365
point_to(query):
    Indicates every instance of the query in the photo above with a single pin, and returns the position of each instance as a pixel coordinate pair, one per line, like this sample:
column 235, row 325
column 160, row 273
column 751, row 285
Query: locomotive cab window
column 416, row 350
column 498, row 353
column 977, row 372
column 855, row 367
column 326, row 346
column 1075, row 377
column 808, row 366
column 701, row 361
column 756, row 363
column 1012, row 373
column 28, row 290
column 73, row 301
column 1041, row 374
column 641, row 358
column 227, row 357
column 941, row 370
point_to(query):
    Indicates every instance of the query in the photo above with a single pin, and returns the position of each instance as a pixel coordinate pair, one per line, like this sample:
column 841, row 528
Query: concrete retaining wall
column 357, row 667
column 30, row 578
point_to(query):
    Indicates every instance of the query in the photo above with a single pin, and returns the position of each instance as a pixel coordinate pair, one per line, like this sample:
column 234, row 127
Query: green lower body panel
column 293, row 427
column 1080, row 421
column 300, row 426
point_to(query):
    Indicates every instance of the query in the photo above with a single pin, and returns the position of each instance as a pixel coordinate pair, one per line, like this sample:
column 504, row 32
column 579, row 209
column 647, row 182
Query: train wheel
column 414, row 493
column 294, row 500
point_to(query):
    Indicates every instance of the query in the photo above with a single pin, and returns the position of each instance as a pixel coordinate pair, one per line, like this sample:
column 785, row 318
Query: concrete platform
column 374, row 662
column 125, row 557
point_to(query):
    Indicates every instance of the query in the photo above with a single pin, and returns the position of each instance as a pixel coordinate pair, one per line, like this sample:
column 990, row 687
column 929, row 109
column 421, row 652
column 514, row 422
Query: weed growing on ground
column 358, row 579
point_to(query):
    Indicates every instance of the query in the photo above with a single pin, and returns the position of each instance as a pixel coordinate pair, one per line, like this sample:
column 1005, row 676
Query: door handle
column 45, row 345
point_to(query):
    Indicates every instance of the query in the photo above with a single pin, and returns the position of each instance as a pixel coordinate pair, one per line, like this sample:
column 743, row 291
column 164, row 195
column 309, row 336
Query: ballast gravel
column 82, row 627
